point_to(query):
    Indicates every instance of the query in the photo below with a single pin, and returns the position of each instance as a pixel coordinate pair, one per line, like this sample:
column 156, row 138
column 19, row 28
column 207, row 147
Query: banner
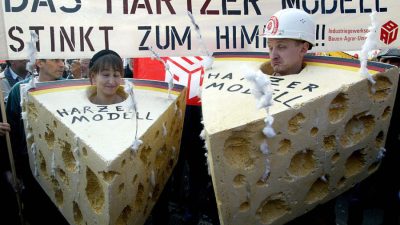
column 79, row 28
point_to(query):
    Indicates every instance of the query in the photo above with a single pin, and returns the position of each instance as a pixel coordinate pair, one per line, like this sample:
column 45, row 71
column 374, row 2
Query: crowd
column 188, row 197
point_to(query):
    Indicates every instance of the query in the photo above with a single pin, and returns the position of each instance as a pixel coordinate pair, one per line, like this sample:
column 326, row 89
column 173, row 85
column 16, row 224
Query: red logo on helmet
column 272, row 25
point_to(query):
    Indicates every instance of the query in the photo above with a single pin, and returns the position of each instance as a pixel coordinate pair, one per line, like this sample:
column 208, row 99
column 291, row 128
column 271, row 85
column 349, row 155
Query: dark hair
column 107, row 61
column 100, row 54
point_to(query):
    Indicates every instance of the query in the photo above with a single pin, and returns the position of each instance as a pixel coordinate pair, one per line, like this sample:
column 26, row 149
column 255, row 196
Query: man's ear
column 304, row 47
column 39, row 63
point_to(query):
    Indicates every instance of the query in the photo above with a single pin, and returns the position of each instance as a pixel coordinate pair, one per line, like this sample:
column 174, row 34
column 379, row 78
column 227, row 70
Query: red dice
column 389, row 32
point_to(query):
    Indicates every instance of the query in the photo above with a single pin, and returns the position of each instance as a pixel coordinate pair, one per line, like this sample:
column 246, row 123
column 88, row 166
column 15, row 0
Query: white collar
column 14, row 75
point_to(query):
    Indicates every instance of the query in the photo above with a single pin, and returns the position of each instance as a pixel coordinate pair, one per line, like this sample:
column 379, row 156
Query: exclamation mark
column 322, row 35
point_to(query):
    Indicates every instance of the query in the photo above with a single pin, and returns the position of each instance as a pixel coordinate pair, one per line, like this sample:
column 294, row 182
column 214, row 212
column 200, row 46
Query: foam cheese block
column 80, row 152
column 330, row 129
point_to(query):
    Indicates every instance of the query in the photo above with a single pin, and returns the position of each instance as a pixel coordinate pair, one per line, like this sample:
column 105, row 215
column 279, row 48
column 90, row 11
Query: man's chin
column 277, row 68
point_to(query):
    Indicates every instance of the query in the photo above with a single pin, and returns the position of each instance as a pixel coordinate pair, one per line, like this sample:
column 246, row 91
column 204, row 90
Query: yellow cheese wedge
column 331, row 125
column 80, row 152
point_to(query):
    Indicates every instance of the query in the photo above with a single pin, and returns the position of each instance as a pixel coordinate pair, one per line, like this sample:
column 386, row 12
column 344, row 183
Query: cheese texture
column 81, row 153
column 330, row 125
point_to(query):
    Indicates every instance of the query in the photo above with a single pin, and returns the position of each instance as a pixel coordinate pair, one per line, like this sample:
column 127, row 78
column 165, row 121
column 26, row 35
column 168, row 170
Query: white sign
column 79, row 28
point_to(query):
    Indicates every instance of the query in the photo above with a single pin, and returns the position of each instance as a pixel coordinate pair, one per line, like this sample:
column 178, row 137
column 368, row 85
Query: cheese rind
column 330, row 130
column 81, row 152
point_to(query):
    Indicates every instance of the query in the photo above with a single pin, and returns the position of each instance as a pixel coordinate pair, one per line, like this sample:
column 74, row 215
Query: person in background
column 105, row 74
column 74, row 71
column 128, row 68
column 32, row 193
column 85, row 68
column 8, row 201
column 381, row 190
column 14, row 72
column 390, row 56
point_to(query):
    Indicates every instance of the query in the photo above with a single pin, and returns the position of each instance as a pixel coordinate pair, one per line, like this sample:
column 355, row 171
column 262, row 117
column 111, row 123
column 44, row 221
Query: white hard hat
column 291, row 23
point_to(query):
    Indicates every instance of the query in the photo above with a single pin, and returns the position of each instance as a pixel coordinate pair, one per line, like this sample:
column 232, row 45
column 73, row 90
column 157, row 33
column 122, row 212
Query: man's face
column 85, row 67
column 76, row 69
column 51, row 69
column 286, row 55
column 19, row 66
column 391, row 61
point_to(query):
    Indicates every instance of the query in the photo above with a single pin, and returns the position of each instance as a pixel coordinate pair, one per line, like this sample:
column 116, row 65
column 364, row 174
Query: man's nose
column 273, row 53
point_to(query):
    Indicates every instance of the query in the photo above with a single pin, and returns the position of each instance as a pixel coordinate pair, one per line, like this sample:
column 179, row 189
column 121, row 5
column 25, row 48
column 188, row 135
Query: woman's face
column 107, row 82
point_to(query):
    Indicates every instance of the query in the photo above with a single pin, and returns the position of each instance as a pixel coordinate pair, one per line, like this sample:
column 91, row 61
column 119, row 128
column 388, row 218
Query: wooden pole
column 11, row 158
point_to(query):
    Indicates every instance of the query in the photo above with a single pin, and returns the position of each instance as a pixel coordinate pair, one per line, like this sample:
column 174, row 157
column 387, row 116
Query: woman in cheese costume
column 105, row 73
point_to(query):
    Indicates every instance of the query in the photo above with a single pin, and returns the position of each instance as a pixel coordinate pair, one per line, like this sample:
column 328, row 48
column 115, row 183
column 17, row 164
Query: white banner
column 79, row 28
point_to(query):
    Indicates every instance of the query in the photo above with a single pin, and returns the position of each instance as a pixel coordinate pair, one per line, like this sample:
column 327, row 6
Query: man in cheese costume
column 291, row 33
column 328, row 136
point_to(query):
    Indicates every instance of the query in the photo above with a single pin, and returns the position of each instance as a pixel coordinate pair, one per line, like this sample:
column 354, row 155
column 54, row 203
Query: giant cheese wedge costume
column 330, row 125
column 80, row 152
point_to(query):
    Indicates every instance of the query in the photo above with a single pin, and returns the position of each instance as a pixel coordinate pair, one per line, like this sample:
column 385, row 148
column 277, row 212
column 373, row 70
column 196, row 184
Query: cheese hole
column 239, row 180
column 295, row 123
column 30, row 139
column 318, row 191
column 109, row 175
column 379, row 140
column 32, row 111
column 302, row 163
column 272, row 209
column 134, row 179
column 245, row 206
column 373, row 167
column 139, row 200
column 94, row 191
column 284, row 146
column 49, row 137
column 63, row 176
column 43, row 166
column 144, row 154
column 355, row 163
column 338, row 108
column 84, row 151
column 67, row 156
column 341, row 182
column 329, row 143
column 356, row 129
column 381, row 89
column 78, row 218
column 386, row 113
column 121, row 188
column 239, row 153
column 314, row 132
column 156, row 192
column 124, row 216
column 335, row 157
column 58, row 194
